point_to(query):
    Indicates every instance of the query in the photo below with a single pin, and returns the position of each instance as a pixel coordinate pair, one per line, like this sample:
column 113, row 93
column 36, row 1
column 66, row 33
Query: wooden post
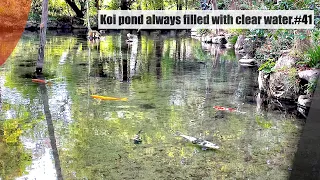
column 43, row 29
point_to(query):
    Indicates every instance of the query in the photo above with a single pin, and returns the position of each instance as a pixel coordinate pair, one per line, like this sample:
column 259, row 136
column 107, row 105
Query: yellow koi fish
column 109, row 98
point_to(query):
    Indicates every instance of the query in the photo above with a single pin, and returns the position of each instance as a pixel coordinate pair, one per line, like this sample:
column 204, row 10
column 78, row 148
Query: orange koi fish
column 41, row 81
column 109, row 98
column 220, row 108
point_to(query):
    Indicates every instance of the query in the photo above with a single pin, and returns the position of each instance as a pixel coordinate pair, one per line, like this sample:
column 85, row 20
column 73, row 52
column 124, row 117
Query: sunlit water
column 172, row 85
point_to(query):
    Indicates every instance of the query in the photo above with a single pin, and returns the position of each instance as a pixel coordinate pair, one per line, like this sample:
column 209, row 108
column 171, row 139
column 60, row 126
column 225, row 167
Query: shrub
column 311, row 86
column 313, row 57
column 267, row 66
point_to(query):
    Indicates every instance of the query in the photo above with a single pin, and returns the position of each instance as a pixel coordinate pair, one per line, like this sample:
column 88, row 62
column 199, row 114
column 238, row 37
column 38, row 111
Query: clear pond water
column 172, row 85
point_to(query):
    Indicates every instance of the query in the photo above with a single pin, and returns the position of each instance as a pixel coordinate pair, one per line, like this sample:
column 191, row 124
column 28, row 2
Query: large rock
column 208, row 39
column 31, row 25
column 285, row 62
column 282, row 85
column 304, row 101
column 247, row 62
column 219, row 40
column 52, row 25
column 309, row 75
column 263, row 81
column 248, row 47
column 240, row 42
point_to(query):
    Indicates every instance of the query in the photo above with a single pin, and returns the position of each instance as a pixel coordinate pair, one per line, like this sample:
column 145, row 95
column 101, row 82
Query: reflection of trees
column 14, row 159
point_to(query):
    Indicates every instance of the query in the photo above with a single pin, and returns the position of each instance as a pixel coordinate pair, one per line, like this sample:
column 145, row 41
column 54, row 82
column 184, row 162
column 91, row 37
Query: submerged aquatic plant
column 263, row 123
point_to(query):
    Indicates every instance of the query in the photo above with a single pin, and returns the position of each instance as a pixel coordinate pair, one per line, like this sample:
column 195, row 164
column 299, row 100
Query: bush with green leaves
column 267, row 66
column 313, row 57
column 276, row 41
column 311, row 86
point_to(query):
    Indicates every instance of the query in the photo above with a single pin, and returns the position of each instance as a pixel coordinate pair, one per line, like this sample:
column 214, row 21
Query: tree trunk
column 97, row 5
column 43, row 28
column 75, row 8
column 179, row 5
column 186, row 4
column 124, row 5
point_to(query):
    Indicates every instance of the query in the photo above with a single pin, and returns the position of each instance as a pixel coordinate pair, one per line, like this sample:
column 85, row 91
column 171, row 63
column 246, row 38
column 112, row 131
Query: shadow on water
column 306, row 163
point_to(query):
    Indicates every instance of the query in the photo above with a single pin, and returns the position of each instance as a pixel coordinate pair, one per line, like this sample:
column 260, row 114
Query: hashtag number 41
column 306, row 19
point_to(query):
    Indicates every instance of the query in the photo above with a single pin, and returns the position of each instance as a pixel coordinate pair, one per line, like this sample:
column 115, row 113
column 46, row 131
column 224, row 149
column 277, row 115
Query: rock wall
column 287, row 83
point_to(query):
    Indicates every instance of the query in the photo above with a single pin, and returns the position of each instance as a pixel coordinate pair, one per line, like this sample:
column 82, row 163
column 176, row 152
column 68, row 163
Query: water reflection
column 172, row 84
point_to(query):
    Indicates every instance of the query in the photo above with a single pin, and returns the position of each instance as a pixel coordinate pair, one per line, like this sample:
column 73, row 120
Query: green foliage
column 313, row 57
column 233, row 40
column 267, row 66
column 310, row 87
column 203, row 31
column 238, row 31
column 260, row 33
column 113, row 5
column 276, row 41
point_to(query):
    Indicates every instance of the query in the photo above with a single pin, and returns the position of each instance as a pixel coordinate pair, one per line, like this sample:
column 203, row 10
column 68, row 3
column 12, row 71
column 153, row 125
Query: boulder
column 52, row 25
column 229, row 46
column 248, row 47
column 31, row 25
column 228, row 36
column 240, row 42
column 219, row 40
column 247, row 62
column 309, row 75
column 194, row 33
column 304, row 101
column 285, row 61
column 208, row 39
column 242, row 52
column 282, row 85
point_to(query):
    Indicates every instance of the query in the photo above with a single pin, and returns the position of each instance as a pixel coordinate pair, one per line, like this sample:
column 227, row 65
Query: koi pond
column 172, row 84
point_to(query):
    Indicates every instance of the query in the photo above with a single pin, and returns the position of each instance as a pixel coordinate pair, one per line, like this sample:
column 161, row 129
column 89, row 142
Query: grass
column 313, row 57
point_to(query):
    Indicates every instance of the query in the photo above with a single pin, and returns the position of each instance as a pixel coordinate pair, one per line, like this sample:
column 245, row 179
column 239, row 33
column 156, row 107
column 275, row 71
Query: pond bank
column 289, row 84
